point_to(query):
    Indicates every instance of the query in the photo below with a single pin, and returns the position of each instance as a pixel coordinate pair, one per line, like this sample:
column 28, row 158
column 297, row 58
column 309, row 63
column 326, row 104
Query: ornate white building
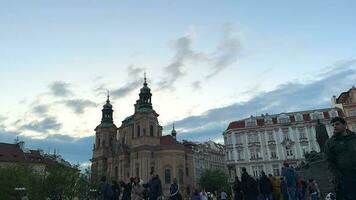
column 265, row 142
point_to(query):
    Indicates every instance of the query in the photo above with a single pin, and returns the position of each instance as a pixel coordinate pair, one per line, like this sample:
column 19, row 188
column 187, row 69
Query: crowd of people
column 289, row 186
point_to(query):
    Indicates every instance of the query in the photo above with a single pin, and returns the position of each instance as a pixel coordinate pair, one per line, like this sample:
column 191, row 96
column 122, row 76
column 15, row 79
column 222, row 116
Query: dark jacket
column 155, row 188
column 265, row 185
column 174, row 191
column 340, row 153
column 249, row 186
column 126, row 194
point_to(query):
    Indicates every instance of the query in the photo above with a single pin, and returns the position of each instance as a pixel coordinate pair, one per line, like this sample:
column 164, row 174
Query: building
column 265, row 142
column 15, row 154
column 347, row 102
column 207, row 156
column 137, row 148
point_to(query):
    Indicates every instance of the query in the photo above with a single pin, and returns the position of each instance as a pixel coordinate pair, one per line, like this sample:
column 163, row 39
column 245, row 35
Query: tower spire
column 174, row 132
column 108, row 96
column 145, row 79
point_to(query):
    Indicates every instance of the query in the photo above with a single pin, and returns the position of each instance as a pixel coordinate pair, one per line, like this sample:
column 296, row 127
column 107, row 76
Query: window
column 238, row 139
column 152, row 154
column 299, row 117
column 137, row 171
column 251, row 122
column 256, row 170
column 273, row 153
column 317, row 115
column 138, row 131
column 270, row 136
column 283, row 119
column 151, row 130
column 268, row 120
column 252, row 138
column 187, row 171
column 116, row 172
column 240, row 154
column 275, row 169
column 285, row 135
column 167, row 176
column 302, row 133
column 255, row 154
column 289, row 152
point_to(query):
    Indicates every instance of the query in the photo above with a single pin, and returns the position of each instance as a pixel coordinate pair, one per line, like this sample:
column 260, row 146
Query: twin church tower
column 137, row 147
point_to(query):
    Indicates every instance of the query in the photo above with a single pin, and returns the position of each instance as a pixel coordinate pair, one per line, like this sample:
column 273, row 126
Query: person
column 249, row 186
column 313, row 190
column 105, row 189
column 265, row 187
column 195, row 195
column 237, row 189
column 155, row 187
column 276, row 187
column 203, row 195
column 339, row 152
column 223, row 195
column 174, row 190
column 137, row 190
column 283, row 187
column 291, row 179
column 116, row 190
column 126, row 194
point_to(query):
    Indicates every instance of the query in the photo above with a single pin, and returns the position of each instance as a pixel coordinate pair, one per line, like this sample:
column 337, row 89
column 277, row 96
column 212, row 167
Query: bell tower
column 105, row 139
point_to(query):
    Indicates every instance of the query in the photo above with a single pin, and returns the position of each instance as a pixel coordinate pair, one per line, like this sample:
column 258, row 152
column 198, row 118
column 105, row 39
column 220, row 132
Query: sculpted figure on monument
column 321, row 134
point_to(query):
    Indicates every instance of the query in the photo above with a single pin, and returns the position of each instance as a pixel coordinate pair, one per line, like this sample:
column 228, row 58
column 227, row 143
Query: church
column 138, row 147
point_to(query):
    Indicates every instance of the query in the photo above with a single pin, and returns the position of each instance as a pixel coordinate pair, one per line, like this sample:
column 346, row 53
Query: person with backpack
column 265, row 187
column 291, row 179
column 105, row 189
column 174, row 190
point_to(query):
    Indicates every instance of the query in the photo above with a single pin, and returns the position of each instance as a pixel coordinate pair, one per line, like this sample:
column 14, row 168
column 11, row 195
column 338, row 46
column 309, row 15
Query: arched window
column 138, row 130
column 167, row 176
column 151, row 130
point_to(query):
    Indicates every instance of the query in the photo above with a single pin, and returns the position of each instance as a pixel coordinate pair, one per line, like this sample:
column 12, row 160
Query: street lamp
column 19, row 191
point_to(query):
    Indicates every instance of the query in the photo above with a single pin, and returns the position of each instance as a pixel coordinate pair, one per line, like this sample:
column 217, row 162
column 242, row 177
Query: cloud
column 79, row 105
column 183, row 53
column 196, row 85
column 43, row 126
column 288, row 97
column 60, row 89
column 40, row 109
column 135, row 81
column 226, row 53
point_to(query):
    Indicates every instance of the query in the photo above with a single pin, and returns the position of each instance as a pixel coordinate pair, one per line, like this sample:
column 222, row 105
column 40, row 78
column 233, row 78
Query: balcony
column 254, row 144
column 271, row 142
column 303, row 140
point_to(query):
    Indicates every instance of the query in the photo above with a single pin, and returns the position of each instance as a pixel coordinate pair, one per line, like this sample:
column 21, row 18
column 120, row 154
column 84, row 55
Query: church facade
column 137, row 148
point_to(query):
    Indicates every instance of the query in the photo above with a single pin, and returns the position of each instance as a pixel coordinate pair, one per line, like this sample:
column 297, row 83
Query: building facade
column 207, row 156
column 265, row 142
column 137, row 148
column 347, row 102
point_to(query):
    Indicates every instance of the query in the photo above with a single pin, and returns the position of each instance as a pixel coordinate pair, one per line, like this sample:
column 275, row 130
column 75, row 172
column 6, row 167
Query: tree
column 214, row 180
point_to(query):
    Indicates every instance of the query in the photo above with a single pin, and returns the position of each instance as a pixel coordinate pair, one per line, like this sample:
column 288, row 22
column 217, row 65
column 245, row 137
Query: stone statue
column 321, row 134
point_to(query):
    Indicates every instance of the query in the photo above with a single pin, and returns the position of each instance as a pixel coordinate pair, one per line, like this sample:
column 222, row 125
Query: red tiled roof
column 260, row 122
column 326, row 115
column 11, row 153
column 306, row 117
column 168, row 140
column 236, row 124
column 274, row 120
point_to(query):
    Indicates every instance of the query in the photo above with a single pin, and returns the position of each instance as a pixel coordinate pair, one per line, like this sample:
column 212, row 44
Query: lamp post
column 93, row 194
column 19, row 191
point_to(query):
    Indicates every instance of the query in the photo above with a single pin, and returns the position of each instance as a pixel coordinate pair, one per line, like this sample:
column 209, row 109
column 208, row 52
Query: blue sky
column 203, row 59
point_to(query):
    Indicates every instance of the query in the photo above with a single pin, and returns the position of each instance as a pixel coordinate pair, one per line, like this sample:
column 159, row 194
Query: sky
column 207, row 63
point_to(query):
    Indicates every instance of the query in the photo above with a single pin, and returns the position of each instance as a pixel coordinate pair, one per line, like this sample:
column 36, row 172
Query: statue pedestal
column 318, row 170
